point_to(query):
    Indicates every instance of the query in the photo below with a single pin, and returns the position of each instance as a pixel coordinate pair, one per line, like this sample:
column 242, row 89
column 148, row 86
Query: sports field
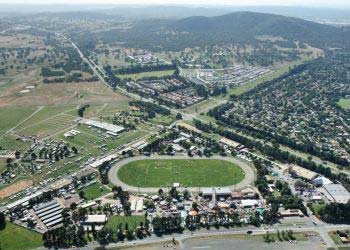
column 194, row 173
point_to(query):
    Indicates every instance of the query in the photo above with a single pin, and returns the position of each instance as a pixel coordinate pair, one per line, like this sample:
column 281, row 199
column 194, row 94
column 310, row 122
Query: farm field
column 344, row 103
column 14, row 237
column 195, row 173
column 133, row 222
column 94, row 191
column 147, row 74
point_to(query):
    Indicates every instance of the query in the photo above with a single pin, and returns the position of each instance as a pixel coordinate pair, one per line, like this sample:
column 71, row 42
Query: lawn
column 133, row 222
column 147, row 74
column 196, row 173
column 14, row 237
column 344, row 103
column 95, row 191
column 317, row 207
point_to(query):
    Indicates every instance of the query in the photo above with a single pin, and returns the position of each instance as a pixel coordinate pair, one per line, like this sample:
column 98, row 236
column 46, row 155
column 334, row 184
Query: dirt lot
column 14, row 188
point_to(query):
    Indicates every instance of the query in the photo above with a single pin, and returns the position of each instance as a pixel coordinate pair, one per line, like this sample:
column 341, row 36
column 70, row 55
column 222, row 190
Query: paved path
column 113, row 177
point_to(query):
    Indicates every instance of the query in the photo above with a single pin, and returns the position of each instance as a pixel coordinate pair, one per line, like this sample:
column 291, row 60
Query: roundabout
column 148, row 174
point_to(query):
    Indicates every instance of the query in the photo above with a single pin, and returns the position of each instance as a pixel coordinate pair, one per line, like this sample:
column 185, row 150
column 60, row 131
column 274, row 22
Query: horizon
column 192, row 3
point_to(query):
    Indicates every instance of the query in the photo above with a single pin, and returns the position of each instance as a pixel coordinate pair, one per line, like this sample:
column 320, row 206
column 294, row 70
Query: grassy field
column 344, row 103
column 133, row 222
column 94, row 191
column 14, row 237
column 147, row 74
column 196, row 173
column 10, row 117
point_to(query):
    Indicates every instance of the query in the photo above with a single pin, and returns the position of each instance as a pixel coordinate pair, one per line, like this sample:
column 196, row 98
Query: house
column 94, row 220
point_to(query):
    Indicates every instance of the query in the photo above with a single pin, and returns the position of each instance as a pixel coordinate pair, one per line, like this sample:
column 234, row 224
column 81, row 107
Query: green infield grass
column 133, row 222
column 95, row 191
column 195, row 173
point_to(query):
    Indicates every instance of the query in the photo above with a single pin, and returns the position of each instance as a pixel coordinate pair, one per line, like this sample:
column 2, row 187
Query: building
column 96, row 220
column 249, row 203
column 24, row 201
column 99, row 162
column 220, row 192
column 50, row 213
column 304, row 173
column 291, row 213
column 229, row 143
column 336, row 193
column 321, row 181
column 105, row 126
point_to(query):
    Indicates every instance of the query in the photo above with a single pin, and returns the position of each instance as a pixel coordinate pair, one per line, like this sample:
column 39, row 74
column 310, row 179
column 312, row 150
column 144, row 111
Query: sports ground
column 188, row 172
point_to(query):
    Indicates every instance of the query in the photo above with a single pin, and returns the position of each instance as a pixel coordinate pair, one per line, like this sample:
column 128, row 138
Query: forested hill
column 252, row 24
column 237, row 27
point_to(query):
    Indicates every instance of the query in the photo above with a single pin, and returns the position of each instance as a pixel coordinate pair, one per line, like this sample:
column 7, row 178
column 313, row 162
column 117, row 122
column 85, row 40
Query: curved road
column 113, row 177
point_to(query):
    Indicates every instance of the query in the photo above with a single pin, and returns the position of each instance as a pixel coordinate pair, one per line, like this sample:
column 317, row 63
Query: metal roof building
column 337, row 193
column 105, row 126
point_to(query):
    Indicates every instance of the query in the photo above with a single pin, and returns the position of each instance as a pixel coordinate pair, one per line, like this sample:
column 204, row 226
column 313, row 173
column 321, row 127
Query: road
column 113, row 176
column 219, row 233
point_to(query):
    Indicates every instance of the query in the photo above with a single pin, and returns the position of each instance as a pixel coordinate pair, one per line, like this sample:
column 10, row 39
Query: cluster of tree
column 335, row 213
column 123, row 196
column 103, row 171
column 65, row 236
column 167, row 225
column 110, row 77
column 82, row 109
column 150, row 107
column 2, row 221
column 47, row 72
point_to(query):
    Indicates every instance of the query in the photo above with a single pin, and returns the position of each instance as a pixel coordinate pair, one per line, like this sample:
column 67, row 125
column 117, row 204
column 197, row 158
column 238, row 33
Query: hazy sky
column 314, row 3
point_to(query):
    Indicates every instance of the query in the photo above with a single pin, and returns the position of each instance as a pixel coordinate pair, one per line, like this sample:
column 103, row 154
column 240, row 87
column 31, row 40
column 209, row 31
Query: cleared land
column 14, row 188
column 133, row 222
column 195, row 173
column 14, row 237
column 344, row 103
column 147, row 74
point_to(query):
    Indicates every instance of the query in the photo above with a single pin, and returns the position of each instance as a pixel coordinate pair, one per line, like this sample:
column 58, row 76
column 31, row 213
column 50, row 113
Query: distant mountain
column 237, row 27
column 255, row 24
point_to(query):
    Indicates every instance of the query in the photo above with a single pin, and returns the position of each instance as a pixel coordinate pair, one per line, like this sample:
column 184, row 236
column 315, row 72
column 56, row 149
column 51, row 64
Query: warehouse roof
column 337, row 192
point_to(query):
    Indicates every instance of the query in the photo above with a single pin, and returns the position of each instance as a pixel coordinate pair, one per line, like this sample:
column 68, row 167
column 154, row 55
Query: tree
column 2, row 221
column 178, row 116
column 82, row 194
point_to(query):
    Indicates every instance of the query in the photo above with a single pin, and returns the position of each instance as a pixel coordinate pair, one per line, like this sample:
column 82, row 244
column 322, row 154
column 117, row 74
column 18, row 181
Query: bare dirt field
column 14, row 188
